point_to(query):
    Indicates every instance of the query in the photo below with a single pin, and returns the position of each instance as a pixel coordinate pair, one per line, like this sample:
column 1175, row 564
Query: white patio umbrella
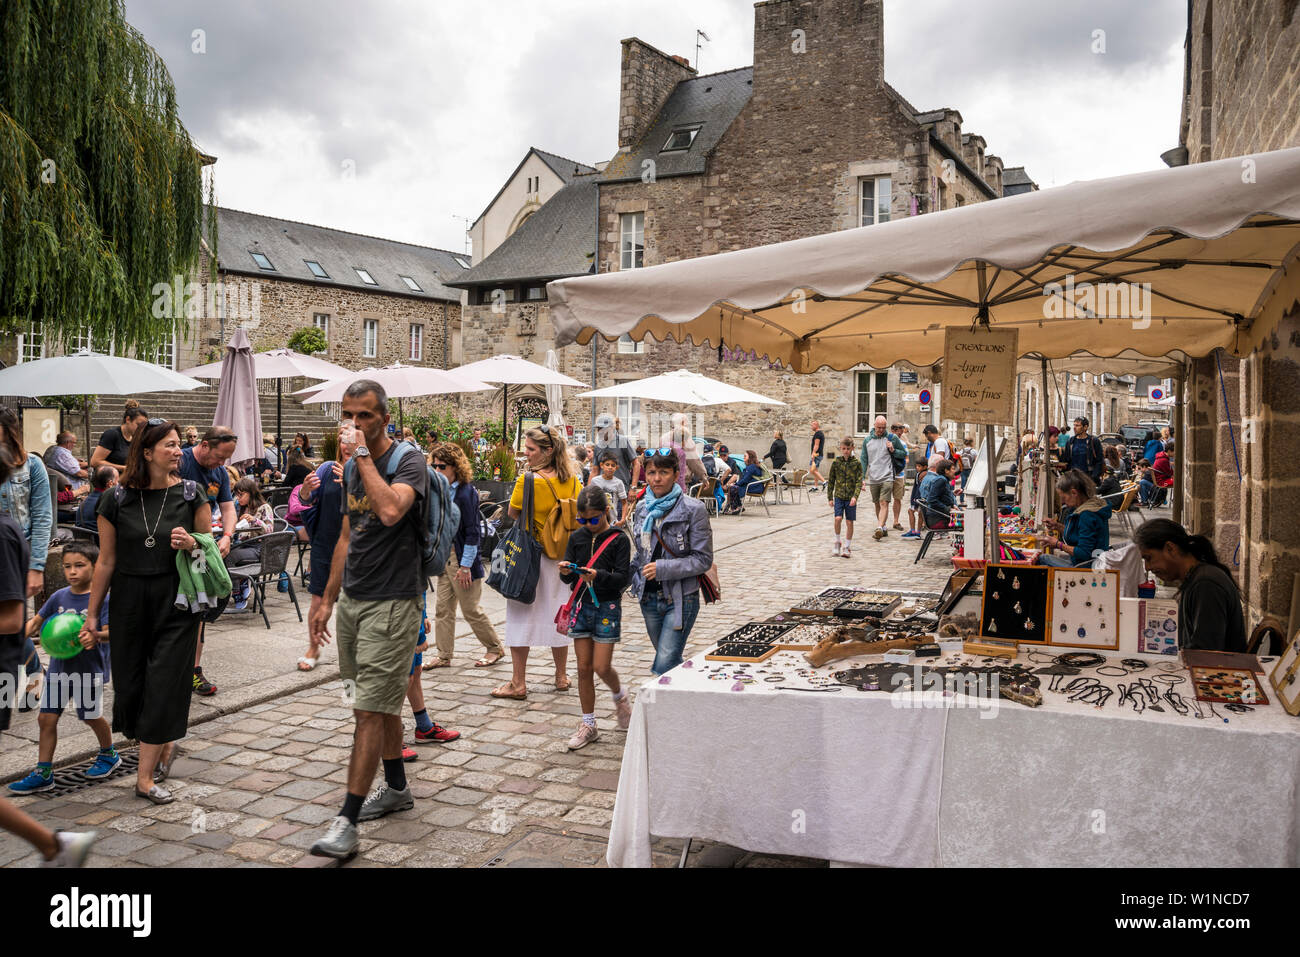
column 554, row 398
column 90, row 373
column 278, row 364
column 399, row 382
column 508, row 370
column 682, row 387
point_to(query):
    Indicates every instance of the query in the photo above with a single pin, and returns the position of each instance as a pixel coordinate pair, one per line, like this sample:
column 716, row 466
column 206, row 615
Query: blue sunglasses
column 651, row 453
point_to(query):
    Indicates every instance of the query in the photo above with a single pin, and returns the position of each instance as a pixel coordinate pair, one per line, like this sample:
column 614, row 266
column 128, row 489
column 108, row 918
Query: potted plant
column 497, row 468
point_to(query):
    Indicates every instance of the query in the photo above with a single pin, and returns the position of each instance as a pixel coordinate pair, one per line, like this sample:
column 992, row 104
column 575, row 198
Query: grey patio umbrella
column 237, row 405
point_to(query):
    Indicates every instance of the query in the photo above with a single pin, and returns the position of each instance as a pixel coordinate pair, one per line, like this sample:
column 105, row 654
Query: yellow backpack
column 559, row 524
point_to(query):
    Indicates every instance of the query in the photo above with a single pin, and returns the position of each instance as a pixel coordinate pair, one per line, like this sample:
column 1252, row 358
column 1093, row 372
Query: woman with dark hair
column 115, row 443
column 301, row 441
column 1085, row 525
column 1209, row 601
column 143, row 523
column 674, row 547
column 298, row 468
column 740, row 485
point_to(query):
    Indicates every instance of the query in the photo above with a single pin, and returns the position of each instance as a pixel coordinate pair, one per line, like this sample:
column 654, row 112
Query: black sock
column 352, row 806
column 395, row 774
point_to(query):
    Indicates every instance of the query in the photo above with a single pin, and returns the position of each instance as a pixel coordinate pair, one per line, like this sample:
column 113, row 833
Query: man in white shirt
column 936, row 444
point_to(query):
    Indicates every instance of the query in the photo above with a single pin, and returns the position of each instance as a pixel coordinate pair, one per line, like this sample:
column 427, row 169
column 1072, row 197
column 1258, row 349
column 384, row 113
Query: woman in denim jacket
column 674, row 546
column 25, row 497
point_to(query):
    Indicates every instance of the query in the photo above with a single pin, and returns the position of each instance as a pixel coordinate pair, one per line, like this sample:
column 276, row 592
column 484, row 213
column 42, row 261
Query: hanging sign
column 979, row 375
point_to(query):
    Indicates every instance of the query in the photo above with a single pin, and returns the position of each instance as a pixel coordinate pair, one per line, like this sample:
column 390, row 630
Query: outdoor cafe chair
column 765, row 477
column 931, row 517
column 278, row 496
column 267, row 570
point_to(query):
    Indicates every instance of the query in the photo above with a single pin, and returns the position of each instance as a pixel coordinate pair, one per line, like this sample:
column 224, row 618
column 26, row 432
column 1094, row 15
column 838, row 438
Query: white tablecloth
column 851, row 777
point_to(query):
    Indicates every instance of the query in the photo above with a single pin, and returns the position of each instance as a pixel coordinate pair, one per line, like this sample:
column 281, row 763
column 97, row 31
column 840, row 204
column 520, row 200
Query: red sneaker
column 409, row 754
column 436, row 733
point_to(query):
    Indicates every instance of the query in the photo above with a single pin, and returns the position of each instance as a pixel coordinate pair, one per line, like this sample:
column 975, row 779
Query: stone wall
column 647, row 77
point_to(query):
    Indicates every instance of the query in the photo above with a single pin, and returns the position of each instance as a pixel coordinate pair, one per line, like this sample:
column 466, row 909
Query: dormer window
column 317, row 269
column 411, row 284
column 680, row 139
column 262, row 261
column 368, row 279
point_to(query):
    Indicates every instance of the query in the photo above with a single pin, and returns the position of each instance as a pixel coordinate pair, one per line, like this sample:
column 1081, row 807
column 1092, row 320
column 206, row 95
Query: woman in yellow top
column 534, row 625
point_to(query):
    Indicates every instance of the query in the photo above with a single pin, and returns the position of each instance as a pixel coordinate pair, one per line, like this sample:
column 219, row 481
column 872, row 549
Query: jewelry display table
column 857, row 777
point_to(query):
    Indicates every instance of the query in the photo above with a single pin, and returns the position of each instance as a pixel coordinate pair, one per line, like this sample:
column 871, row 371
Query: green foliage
column 308, row 340
column 443, row 422
column 329, row 447
column 498, row 456
column 101, row 187
column 73, row 403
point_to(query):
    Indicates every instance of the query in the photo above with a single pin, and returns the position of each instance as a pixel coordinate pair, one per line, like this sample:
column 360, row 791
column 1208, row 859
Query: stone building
column 1242, row 96
column 809, row 139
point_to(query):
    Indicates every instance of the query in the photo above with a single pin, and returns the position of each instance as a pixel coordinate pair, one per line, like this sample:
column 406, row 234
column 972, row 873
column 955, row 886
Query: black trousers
column 153, row 645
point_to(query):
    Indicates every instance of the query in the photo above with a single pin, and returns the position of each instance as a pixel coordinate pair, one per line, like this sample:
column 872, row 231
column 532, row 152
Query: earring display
column 824, row 602
column 1085, row 608
column 1015, row 603
column 1286, row 677
column 866, row 605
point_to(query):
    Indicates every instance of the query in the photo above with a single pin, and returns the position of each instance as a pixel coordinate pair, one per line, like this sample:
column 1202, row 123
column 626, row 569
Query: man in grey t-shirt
column 378, row 569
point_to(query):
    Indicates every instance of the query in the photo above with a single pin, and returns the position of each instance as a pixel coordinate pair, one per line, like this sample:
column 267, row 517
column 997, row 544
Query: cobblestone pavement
column 255, row 785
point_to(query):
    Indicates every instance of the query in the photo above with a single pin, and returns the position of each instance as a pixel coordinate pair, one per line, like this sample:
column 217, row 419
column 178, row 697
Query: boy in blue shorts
column 842, row 488
column 78, row 680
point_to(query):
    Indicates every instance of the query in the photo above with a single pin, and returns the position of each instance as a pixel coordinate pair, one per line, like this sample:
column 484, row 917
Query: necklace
column 149, row 540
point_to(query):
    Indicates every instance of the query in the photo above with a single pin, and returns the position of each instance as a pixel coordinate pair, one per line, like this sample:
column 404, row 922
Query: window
column 1075, row 404
column 411, row 284
column 262, row 261
column 535, row 293
column 370, row 342
column 632, row 243
column 417, row 343
column 626, row 346
column 629, row 412
column 164, row 355
column 365, row 276
column 877, row 193
column 80, row 341
column 464, row 263
column 317, row 269
column 31, row 345
column 873, row 399
column 321, row 321
column 680, row 139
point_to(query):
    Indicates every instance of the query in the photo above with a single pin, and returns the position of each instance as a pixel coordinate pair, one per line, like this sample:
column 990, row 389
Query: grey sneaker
column 339, row 842
column 384, row 800
column 74, row 846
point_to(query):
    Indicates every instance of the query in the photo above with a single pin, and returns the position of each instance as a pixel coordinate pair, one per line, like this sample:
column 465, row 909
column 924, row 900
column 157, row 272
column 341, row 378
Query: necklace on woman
column 150, row 541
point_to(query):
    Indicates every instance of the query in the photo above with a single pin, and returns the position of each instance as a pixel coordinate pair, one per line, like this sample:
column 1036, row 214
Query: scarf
column 656, row 508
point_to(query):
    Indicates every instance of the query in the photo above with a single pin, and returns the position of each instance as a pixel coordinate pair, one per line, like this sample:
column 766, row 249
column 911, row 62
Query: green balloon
column 61, row 635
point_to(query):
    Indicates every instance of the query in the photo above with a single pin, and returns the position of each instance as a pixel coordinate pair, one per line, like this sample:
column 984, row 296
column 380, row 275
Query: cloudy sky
column 399, row 117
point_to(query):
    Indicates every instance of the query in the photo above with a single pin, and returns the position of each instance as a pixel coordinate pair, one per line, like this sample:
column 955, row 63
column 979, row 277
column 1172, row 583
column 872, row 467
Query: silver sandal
column 155, row 795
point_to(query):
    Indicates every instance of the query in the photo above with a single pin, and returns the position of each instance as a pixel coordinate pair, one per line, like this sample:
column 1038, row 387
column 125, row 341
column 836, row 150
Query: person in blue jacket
column 1086, row 525
column 1153, row 447
column 936, row 492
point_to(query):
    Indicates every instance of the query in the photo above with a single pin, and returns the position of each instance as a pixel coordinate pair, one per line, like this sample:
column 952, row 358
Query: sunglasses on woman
column 590, row 521
column 651, row 453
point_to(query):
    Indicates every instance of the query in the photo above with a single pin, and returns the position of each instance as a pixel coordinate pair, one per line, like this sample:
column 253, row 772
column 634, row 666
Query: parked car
column 1135, row 438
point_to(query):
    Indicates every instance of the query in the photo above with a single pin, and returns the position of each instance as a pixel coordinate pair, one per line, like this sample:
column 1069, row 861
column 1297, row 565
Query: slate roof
column 563, row 167
column 287, row 244
column 711, row 102
column 1016, row 180
column 556, row 241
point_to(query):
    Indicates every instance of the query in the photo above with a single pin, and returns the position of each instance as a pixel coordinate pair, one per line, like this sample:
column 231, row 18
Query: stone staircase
column 197, row 408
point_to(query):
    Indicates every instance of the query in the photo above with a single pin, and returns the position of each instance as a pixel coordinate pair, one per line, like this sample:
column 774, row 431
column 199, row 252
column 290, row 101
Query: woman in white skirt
column 534, row 625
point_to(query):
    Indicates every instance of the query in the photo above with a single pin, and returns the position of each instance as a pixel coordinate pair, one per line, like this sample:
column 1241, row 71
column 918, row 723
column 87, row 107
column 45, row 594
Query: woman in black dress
column 142, row 524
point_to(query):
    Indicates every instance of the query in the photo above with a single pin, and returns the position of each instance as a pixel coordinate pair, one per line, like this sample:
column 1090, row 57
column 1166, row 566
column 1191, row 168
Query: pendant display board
column 1227, row 686
column 824, row 602
column 1286, row 677
column 1158, row 626
column 1015, row 603
column 1085, row 608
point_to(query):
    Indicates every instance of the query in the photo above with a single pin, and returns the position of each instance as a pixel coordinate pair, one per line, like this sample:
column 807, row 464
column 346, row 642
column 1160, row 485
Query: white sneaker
column 583, row 736
column 835, row 549
column 73, row 848
column 846, row 552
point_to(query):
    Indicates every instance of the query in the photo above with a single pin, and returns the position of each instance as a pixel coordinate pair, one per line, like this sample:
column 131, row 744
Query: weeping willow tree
column 101, row 188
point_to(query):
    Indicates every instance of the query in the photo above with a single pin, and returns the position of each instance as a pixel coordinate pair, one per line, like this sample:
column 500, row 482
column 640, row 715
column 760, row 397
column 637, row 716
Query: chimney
column 831, row 45
column 648, row 77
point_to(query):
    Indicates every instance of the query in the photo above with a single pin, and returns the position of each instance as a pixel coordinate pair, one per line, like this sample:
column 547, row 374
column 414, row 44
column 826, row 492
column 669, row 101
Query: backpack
column 968, row 458
column 439, row 513
column 559, row 524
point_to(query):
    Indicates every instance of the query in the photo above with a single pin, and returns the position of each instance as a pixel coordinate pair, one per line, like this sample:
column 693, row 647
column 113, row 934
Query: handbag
column 710, row 586
column 517, row 558
column 564, row 617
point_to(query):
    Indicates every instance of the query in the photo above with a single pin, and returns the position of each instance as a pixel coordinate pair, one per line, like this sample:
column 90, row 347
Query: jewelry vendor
column 1209, row 601
column 1085, row 525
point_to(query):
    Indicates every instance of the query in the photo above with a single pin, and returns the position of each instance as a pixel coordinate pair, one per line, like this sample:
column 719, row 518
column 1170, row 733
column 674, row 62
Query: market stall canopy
column 237, row 403
column 1216, row 242
column 278, row 364
column 682, row 387
column 399, row 382
column 90, row 373
column 512, row 370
